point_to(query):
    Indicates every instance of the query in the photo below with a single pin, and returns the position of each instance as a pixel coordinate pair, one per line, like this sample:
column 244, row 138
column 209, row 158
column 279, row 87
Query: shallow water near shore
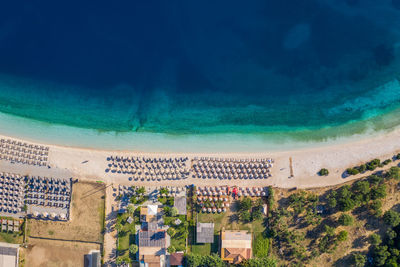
column 228, row 76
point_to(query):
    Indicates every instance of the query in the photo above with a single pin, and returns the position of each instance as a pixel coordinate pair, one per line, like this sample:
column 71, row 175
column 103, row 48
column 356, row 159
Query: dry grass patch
column 46, row 253
column 87, row 214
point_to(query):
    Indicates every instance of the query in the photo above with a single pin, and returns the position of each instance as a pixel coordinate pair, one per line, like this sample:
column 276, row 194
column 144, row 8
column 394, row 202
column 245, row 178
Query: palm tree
column 133, row 249
column 118, row 227
column 131, row 209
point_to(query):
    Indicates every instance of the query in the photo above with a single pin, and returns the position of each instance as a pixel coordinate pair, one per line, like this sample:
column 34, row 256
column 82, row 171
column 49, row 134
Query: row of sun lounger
column 158, row 169
column 24, row 153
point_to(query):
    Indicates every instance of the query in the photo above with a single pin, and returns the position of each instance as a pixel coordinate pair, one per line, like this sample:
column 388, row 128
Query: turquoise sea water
column 272, row 71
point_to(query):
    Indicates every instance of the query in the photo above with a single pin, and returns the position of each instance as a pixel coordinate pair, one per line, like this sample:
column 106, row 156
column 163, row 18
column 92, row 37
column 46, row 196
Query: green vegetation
column 249, row 211
column 375, row 239
column 323, row 172
column 346, row 219
column 126, row 237
column 133, row 249
column 391, row 218
column 259, row 262
column 358, row 259
column 169, row 201
column 260, row 246
column 171, row 249
column 195, row 260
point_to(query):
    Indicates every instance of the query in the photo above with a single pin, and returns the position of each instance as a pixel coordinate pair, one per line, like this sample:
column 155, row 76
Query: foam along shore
column 304, row 164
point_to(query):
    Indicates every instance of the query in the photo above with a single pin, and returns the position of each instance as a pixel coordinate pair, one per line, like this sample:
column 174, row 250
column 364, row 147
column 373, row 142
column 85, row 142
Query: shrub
column 375, row 239
column 346, row 219
column 373, row 164
column 342, row 236
column 257, row 262
column 391, row 218
column 261, row 246
column 352, row 171
column 362, row 168
column 386, row 162
column 323, row 172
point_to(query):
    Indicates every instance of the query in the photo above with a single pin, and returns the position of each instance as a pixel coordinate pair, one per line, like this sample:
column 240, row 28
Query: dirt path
column 110, row 236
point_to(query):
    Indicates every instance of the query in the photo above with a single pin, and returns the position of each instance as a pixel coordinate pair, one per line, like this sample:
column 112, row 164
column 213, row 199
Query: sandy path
column 110, row 236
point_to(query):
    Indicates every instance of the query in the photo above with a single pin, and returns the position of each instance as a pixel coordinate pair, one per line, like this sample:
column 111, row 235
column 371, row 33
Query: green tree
column 323, row 172
column 342, row 236
column 245, row 204
column 332, row 202
column 270, row 197
column 133, row 249
column 375, row 207
column 362, row 187
column 171, row 232
column 119, row 261
column 164, row 191
column 380, row 254
column 257, row 213
column 140, row 191
column 245, row 216
column 391, row 218
column 378, row 192
column 330, row 231
column 358, row 259
column 193, row 260
column 171, row 249
column 173, row 212
column 393, row 173
column 391, row 234
column 375, row 179
column 346, row 219
column 375, row 239
column 346, row 204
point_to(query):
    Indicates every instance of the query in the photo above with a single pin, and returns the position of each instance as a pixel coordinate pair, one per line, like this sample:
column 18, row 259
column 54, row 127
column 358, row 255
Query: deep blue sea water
column 197, row 67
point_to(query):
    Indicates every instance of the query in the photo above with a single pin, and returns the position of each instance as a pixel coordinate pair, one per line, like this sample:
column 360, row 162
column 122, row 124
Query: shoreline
column 86, row 163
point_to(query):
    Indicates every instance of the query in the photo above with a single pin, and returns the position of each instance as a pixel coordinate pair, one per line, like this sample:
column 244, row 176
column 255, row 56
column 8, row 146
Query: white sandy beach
column 83, row 163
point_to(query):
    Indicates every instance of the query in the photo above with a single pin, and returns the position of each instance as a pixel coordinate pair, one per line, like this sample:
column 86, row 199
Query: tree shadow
column 359, row 242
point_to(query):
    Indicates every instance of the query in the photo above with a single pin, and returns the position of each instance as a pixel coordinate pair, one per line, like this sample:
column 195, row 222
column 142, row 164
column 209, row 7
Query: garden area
column 126, row 235
column 244, row 214
column 178, row 229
